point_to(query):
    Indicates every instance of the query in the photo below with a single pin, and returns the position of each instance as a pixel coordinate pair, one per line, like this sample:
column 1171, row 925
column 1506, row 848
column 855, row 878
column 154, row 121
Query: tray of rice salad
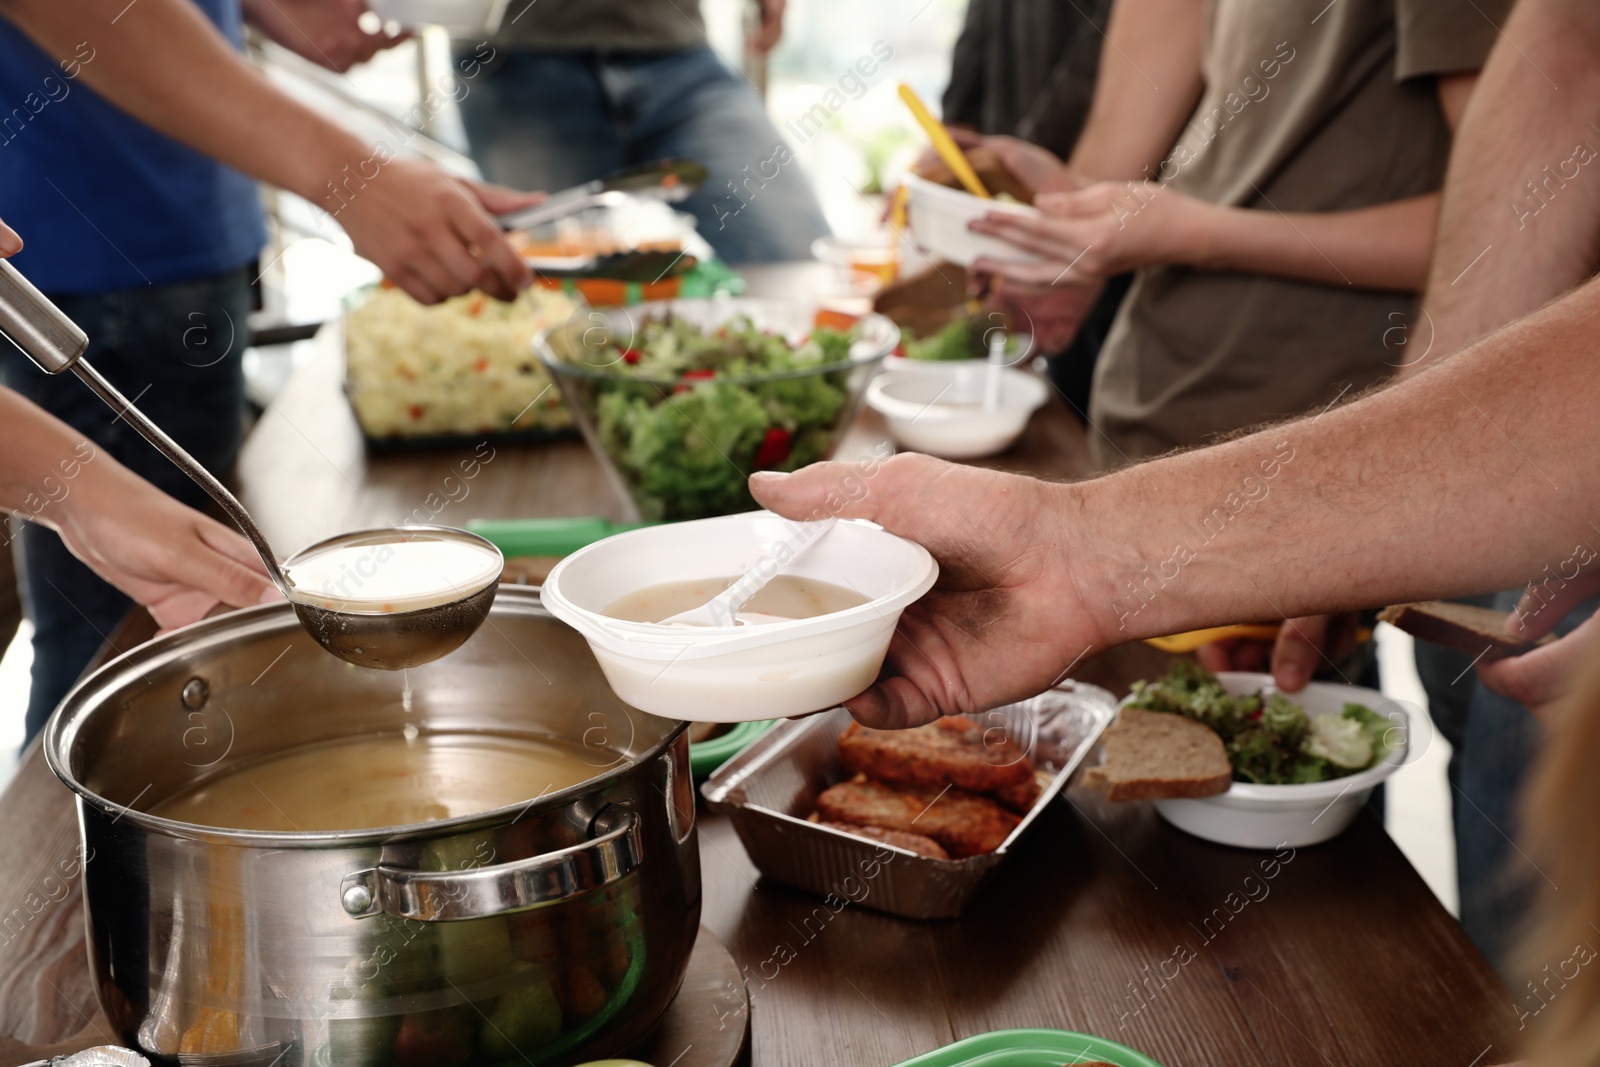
column 458, row 372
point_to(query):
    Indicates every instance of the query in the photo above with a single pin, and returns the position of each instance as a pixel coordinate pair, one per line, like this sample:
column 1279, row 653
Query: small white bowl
column 463, row 18
column 939, row 409
column 939, row 215
column 1268, row 816
column 739, row 673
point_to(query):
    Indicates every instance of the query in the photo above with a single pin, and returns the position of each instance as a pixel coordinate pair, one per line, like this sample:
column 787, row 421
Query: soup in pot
column 362, row 783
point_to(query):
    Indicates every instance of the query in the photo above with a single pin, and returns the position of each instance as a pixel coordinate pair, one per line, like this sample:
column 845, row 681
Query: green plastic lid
column 706, row 756
column 1031, row 1048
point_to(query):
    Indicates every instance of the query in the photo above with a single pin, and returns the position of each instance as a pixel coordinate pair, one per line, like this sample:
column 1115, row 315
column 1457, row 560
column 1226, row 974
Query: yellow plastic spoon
column 943, row 143
column 1177, row 644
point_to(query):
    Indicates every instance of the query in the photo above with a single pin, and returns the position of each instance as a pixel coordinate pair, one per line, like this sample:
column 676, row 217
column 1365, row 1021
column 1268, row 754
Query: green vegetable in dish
column 1270, row 739
column 952, row 342
column 964, row 337
column 709, row 407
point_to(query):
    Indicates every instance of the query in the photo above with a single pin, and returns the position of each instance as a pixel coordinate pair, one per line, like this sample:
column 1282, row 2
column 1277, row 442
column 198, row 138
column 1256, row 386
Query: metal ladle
column 385, row 640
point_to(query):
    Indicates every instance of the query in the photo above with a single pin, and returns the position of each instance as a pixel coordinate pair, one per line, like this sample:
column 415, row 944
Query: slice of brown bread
column 1463, row 627
column 1155, row 755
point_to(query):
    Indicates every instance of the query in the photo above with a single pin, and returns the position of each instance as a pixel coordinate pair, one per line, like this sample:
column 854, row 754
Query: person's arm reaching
column 1520, row 221
column 1149, row 80
column 327, row 32
column 1112, row 227
column 1468, row 477
column 165, row 64
column 177, row 562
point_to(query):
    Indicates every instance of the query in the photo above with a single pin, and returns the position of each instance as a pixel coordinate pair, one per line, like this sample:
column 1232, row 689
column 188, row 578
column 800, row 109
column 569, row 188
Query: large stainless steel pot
column 551, row 931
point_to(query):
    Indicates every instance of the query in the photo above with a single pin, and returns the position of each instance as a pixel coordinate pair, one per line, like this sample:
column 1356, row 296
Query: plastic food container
column 861, row 265
column 769, row 789
column 681, row 446
column 458, row 372
column 1268, row 816
column 1031, row 1048
column 463, row 18
column 938, row 409
column 939, row 216
column 738, row 673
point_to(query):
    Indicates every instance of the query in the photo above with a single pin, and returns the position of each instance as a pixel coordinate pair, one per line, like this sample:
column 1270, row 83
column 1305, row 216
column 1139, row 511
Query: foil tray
column 769, row 789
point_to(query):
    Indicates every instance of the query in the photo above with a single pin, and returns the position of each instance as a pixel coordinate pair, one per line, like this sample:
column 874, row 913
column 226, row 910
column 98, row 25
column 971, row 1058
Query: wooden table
column 1106, row 920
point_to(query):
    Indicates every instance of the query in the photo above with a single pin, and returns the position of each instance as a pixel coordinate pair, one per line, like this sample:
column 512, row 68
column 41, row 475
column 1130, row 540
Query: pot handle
column 442, row 896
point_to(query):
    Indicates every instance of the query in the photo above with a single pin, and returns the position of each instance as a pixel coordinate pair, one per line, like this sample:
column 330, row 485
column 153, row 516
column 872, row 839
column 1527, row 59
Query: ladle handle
column 55, row 343
column 186, row 463
column 35, row 325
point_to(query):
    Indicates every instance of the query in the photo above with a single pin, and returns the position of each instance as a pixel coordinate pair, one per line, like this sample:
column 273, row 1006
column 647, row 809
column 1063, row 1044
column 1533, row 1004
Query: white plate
column 1269, row 816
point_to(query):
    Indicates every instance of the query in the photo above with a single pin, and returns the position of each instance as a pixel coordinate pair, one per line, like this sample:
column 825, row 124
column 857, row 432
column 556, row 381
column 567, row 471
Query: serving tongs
column 668, row 181
column 384, row 640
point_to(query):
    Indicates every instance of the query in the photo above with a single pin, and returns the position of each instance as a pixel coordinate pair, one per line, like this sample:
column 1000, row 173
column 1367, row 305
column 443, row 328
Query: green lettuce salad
column 686, row 413
column 1270, row 739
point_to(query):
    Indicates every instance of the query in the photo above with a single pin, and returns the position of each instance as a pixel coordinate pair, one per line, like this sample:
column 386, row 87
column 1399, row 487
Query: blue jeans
column 1496, row 742
column 549, row 120
column 176, row 351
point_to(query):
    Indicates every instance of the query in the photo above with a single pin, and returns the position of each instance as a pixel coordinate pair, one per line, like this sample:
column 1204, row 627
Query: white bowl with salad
column 682, row 400
column 1304, row 763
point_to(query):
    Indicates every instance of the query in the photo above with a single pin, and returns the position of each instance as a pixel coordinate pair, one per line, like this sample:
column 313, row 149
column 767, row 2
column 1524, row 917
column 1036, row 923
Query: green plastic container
column 706, row 756
column 547, row 537
column 1031, row 1048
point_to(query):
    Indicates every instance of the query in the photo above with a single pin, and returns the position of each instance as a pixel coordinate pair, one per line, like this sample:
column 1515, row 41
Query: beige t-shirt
column 1309, row 106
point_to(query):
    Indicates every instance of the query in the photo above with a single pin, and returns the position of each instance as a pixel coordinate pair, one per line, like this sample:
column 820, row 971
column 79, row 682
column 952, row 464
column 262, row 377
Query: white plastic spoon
column 722, row 609
column 997, row 360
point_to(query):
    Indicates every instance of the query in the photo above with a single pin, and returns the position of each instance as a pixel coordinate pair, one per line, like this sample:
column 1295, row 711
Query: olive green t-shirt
column 1309, row 106
column 622, row 25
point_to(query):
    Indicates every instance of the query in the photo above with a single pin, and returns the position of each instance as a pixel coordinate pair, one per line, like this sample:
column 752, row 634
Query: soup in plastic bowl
column 743, row 672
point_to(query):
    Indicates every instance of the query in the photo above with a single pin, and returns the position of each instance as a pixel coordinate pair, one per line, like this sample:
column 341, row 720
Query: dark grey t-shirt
column 1309, row 106
column 623, row 25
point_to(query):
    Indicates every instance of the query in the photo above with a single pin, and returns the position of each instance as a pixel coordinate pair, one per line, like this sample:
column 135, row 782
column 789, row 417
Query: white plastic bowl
column 739, row 673
column 462, row 18
column 1268, row 816
column 938, row 216
column 938, row 409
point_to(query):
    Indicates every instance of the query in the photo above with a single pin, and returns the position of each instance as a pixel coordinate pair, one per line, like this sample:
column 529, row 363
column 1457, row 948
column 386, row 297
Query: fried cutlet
column 951, row 751
column 966, row 825
column 921, row 844
column 1020, row 797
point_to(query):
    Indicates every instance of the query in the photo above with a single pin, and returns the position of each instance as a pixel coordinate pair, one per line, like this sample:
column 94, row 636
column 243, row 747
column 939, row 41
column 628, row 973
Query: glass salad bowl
column 682, row 400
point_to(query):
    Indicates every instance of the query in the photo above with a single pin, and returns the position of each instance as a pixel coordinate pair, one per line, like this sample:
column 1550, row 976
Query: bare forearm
column 44, row 457
column 1520, row 222
column 199, row 92
column 1381, row 247
column 1148, row 82
column 1474, row 475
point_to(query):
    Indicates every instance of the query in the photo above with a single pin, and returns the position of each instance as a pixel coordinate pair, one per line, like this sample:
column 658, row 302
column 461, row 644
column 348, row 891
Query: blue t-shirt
column 102, row 201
